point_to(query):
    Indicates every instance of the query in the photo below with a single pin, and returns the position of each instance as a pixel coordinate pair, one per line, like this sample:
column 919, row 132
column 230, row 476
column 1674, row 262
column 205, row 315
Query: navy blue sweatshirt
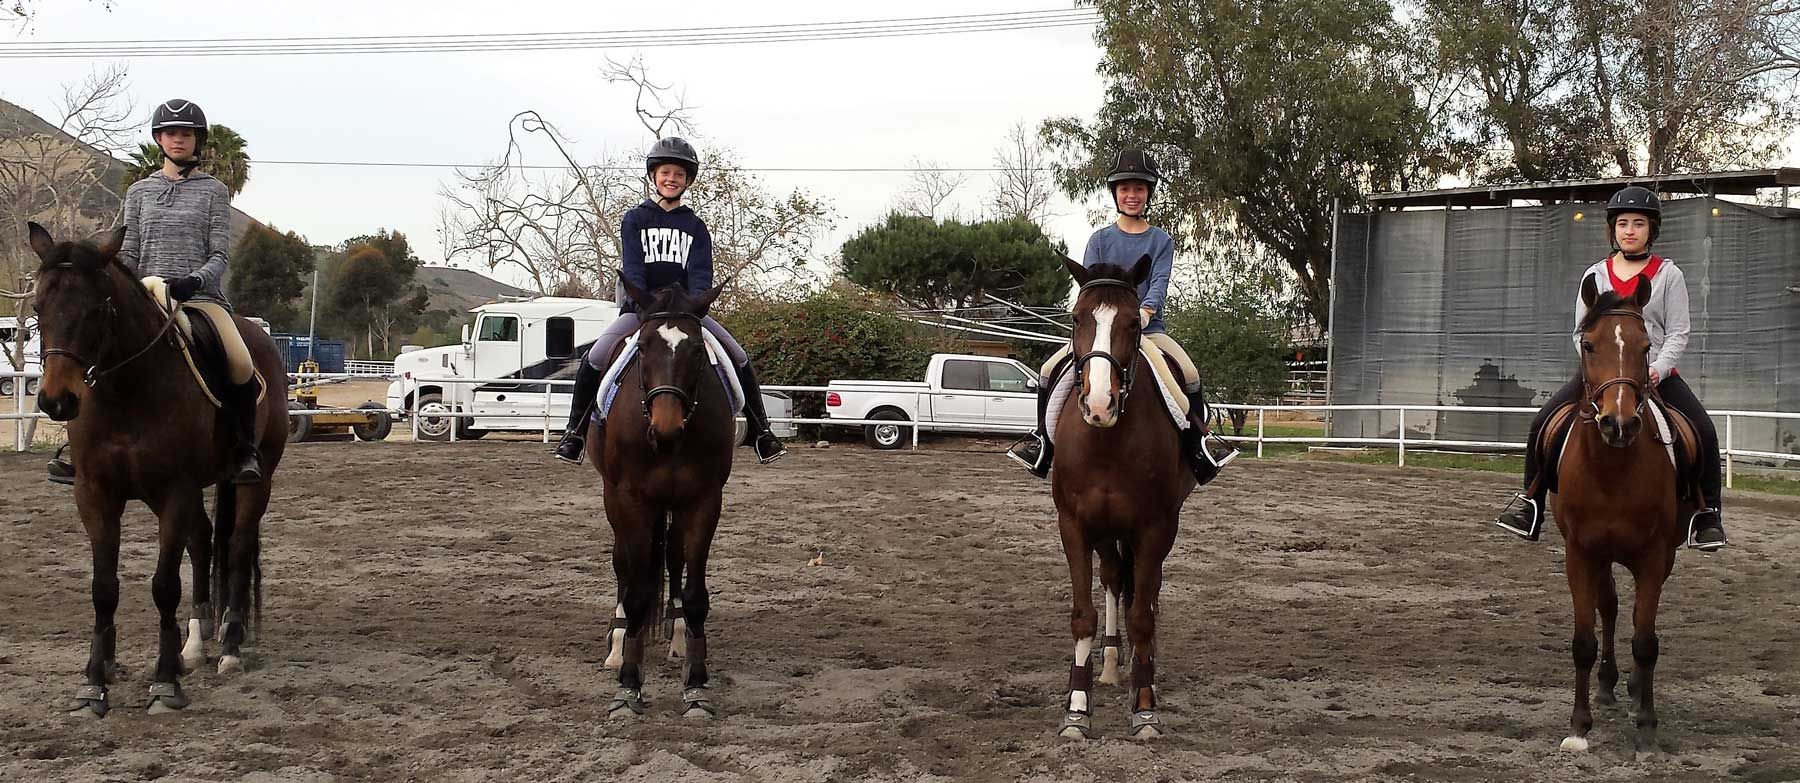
column 664, row 248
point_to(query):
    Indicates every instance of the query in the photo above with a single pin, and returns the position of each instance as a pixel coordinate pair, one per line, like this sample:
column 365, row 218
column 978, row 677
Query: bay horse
column 141, row 427
column 666, row 457
column 1118, row 482
column 1616, row 502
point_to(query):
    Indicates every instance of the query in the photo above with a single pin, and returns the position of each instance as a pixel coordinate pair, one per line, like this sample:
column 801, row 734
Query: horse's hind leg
column 1077, row 720
column 100, row 518
column 1607, row 591
column 199, row 549
column 243, row 563
column 635, row 567
column 675, row 624
column 1112, row 582
column 1581, row 568
column 176, row 519
column 1645, row 646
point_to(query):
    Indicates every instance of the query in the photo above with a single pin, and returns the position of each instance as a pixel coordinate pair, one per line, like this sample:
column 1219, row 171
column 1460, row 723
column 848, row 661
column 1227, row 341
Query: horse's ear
column 638, row 295
column 111, row 242
column 41, row 243
column 704, row 302
column 1076, row 270
column 1641, row 294
column 1140, row 271
column 1590, row 291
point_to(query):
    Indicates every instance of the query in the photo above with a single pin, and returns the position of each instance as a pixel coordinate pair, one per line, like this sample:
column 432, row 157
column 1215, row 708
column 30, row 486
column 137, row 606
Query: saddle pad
column 1174, row 400
column 609, row 383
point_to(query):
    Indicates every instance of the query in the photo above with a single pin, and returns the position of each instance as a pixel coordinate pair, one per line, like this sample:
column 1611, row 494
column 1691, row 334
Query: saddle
column 1167, row 379
column 200, row 346
column 1673, row 430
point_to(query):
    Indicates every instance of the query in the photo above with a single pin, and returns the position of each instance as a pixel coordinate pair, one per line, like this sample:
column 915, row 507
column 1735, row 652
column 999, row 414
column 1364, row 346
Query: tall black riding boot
column 1034, row 450
column 756, row 418
column 243, row 412
column 587, row 388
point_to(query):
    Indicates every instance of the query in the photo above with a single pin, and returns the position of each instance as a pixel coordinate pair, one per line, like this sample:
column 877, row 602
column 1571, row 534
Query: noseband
column 90, row 375
column 688, row 403
column 1122, row 369
column 1591, row 395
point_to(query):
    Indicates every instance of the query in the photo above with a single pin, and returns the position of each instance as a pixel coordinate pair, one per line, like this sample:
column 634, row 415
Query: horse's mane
column 1610, row 300
column 668, row 299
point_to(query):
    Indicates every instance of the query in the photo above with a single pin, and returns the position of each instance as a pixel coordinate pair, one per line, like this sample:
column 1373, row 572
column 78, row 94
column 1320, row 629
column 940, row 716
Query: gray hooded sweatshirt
column 174, row 228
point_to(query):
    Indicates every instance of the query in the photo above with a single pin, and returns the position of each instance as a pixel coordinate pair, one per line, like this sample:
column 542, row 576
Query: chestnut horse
column 1616, row 502
column 1118, row 482
column 142, row 428
column 667, row 455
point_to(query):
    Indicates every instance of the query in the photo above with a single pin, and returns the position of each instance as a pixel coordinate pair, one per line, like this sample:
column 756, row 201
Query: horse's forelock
column 1608, row 301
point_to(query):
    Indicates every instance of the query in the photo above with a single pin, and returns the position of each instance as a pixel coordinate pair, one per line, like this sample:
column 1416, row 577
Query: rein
column 90, row 375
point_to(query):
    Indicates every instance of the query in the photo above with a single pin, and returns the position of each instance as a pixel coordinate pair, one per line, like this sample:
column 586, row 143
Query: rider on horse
column 1132, row 180
column 176, row 228
column 665, row 244
column 1633, row 221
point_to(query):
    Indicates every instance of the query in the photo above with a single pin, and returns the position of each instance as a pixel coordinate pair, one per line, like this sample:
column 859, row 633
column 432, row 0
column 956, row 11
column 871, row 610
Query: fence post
column 19, row 408
column 547, row 387
column 1259, row 431
column 413, row 415
column 1403, row 437
column 1728, row 447
column 915, row 423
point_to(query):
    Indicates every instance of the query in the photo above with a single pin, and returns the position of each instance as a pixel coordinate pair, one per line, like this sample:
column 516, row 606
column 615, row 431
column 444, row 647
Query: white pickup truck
column 971, row 393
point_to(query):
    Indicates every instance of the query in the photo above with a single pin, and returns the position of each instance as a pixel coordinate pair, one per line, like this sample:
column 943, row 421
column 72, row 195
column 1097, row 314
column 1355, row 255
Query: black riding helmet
column 179, row 113
column 1634, row 199
column 672, row 149
column 1130, row 164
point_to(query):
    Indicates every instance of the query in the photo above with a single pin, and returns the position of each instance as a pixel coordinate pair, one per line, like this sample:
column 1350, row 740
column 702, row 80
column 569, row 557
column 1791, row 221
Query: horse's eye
column 1587, row 347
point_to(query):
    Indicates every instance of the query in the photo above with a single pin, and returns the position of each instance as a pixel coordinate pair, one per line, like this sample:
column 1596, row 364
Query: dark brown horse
column 1616, row 502
column 141, row 428
column 1119, row 483
column 667, row 455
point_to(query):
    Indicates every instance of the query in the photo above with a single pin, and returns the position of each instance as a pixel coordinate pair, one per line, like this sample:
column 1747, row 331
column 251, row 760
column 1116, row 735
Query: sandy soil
column 435, row 612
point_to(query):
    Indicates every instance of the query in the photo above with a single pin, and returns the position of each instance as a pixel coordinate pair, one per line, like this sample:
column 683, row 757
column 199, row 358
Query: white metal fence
column 1401, row 441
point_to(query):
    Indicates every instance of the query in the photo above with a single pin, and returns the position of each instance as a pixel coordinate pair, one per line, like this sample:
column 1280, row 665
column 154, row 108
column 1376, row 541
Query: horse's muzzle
column 1620, row 431
column 61, row 407
column 665, row 442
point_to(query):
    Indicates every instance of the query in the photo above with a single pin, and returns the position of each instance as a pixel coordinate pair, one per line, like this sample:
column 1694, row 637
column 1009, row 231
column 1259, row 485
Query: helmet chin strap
column 1142, row 214
column 662, row 199
column 186, row 166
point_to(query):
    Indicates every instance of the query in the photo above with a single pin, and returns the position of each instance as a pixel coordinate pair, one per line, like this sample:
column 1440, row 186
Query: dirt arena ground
column 435, row 612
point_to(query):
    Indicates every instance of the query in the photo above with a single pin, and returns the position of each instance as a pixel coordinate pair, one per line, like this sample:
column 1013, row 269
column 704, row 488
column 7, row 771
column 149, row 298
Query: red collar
column 1629, row 287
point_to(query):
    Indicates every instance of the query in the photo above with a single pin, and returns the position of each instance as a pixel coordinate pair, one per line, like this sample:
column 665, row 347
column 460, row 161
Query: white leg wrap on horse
column 615, row 656
column 1109, row 654
column 193, row 655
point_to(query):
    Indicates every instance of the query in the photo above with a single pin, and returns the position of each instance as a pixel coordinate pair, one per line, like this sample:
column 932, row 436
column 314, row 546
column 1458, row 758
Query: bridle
column 90, row 374
column 1122, row 369
column 688, row 403
column 1591, row 395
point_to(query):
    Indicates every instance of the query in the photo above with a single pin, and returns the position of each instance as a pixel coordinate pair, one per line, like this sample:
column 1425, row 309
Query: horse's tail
column 224, row 524
column 1127, row 573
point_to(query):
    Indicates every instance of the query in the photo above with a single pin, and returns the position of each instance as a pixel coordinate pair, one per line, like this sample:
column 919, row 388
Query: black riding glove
column 185, row 288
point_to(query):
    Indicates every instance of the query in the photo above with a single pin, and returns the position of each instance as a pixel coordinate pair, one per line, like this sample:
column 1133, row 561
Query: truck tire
column 886, row 437
column 379, row 425
column 299, row 427
column 429, row 410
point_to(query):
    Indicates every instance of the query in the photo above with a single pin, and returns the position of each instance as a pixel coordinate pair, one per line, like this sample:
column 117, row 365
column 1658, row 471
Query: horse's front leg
column 1580, row 567
column 100, row 519
column 696, row 525
column 1077, row 722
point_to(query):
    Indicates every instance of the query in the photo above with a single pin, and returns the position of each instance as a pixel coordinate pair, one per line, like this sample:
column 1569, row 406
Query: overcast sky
column 868, row 103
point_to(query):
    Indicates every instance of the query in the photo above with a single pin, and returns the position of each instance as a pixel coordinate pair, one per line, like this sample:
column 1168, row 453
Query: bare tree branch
column 100, row 112
column 928, row 188
column 1024, row 186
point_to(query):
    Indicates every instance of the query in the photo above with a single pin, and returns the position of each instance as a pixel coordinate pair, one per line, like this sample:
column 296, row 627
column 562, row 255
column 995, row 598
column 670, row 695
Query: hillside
column 460, row 290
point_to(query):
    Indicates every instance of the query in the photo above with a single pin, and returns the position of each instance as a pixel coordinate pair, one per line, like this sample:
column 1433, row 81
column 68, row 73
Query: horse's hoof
column 191, row 663
column 698, row 705
column 1076, row 726
column 1575, row 744
column 628, row 704
column 166, row 697
column 230, row 664
column 1145, row 725
column 90, row 703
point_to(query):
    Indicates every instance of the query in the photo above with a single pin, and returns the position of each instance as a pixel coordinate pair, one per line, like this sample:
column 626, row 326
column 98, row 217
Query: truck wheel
column 299, row 427
column 887, row 436
column 378, row 426
column 433, row 424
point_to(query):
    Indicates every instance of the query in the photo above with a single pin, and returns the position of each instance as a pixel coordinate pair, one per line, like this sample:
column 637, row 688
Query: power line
column 756, row 169
column 517, row 42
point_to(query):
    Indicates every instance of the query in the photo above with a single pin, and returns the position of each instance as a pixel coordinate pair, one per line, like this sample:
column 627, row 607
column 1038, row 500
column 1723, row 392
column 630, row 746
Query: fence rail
column 1400, row 442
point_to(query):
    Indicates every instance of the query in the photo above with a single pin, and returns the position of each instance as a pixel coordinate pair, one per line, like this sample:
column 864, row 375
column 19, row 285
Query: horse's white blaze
column 1099, row 371
column 671, row 334
column 1619, row 340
